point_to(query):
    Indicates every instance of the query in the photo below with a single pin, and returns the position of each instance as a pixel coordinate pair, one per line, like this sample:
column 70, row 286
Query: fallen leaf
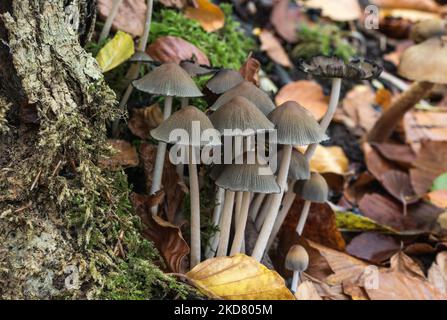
column 340, row 10
column 394, row 57
column 398, row 184
column 373, row 247
column 425, row 125
column 309, row 94
column 130, row 17
column 143, row 120
column 423, row 5
column 271, row 45
column 328, row 160
column 376, row 164
column 351, row 222
column 126, row 156
column 238, row 278
column 442, row 220
column 250, row 70
column 175, row 49
column 210, row 16
column 385, row 211
column 356, row 292
column 408, row 14
column 307, row 291
column 402, row 263
column 285, row 17
column 359, row 186
column 166, row 237
column 438, row 198
column 401, row 154
column 437, row 274
column 425, row 215
column 179, row 4
column 326, row 291
column 116, row 51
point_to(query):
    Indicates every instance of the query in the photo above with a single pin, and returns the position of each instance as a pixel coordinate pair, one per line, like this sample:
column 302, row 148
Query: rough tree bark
column 61, row 217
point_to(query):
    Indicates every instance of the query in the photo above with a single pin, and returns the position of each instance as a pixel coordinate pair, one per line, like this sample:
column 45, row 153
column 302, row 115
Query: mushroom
column 141, row 56
column 297, row 260
column 242, row 178
column 184, row 120
column 239, row 117
column 168, row 80
column 294, row 126
column 313, row 190
column 135, row 68
column 224, row 80
column 427, row 29
column 424, row 63
column 248, row 90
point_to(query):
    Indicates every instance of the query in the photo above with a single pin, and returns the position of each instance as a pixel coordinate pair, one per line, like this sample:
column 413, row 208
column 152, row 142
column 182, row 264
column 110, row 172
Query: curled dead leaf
column 126, row 156
column 309, row 94
column 271, row 45
column 285, row 18
column 329, row 160
column 210, row 16
column 238, row 278
column 143, row 120
column 250, row 70
column 175, row 49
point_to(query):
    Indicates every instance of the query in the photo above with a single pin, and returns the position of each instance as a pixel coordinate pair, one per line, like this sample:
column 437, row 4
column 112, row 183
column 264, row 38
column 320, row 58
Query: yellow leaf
column 238, row 278
column 348, row 221
column 116, row 51
column 210, row 16
column 329, row 160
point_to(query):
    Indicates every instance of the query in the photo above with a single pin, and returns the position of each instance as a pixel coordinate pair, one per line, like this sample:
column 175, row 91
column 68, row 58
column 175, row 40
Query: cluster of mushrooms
column 242, row 193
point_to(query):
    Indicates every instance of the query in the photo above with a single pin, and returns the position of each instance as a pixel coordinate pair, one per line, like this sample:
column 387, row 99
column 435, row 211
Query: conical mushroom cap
column 141, row 56
column 169, row 79
column 333, row 67
column 426, row 61
column 248, row 90
column 295, row 125
column 195, row 69
column 224, row 80
column 184, row 119
column 240, row 114
column 256, row 177
column 299, row 167
column 315, row 189
column 297, row 259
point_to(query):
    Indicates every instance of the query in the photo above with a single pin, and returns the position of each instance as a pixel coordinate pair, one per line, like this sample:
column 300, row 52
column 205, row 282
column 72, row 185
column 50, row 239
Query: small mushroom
column 297, row 260
column 424, row 63
column 427, row 29
column 224, row 80
column 295, row 126
column 183, row 119
column 313, row 190
column 168, row 80
column 247, row 90
column 242, row 178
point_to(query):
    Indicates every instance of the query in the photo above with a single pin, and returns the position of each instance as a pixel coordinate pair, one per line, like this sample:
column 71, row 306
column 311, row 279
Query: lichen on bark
column 66, row 226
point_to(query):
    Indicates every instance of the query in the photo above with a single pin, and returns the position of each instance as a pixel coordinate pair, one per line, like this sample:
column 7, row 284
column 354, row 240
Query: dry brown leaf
column 394, row 57
column 328, row 160
column 358, row 188
column 209, row 15
column 398, row 184
column 175, row 49
column 143, row 120
column 166, row 237
column 271, row 45
column 376, row 164
column 425, row 215
column 309, row 94
column 425, row 125
column 354, row 291
column 402, row 154
column 402, row 263
column 423, row 5
column 438, row 198
column 385, row 211
column 238, row 278
column 179, row 4
column 340, row 10
column 250, row 70
column 437, row 274
column 285, row 19
column 373, row 247
column 130, row 17
column 326, row 291
column 126, row 156
column 307, row 291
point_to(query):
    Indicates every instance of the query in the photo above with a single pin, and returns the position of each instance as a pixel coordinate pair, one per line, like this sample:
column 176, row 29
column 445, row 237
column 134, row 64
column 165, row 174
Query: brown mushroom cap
column 183, row 119
column 426, row 61
column 239, row 113
column 427, row 29
column 299, row 166
column 224, row 80
column 169, row 79
column 247, row 177
column 248, row 90
column 295, row 125
column 297, row 259
column 315, row 189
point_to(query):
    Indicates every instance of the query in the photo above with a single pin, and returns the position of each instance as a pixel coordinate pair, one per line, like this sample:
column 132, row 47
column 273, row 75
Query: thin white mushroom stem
column 214, row 240
column 287, row 203
column 256, row 206
column 264, row 234
column 195, row 208
column 263, row 212
column 227, row 213
column 295, row 281
column 238, row 205
column 135, row 67
column 111, row 17
column 161, row 153
column 240, row 225
column 184, row 102
column 303, row 217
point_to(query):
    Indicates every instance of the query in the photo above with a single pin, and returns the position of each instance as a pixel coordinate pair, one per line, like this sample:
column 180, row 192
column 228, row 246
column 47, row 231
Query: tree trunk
column 61, row 216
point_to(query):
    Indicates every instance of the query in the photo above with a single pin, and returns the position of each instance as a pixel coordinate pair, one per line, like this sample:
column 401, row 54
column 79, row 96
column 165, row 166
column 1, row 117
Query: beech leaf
column 210, row 16
column 116, row 51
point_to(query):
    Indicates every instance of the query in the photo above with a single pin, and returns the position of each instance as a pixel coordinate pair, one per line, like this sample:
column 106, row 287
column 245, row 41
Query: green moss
column 322, row 40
